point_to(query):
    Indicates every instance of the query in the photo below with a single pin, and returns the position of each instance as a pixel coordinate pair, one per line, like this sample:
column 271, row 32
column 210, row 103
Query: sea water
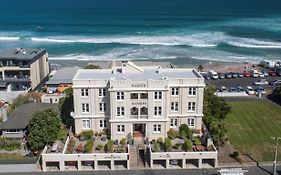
column 179, row 30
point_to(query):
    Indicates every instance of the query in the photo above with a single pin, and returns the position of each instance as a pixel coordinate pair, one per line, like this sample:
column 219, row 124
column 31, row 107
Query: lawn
column 250, row 126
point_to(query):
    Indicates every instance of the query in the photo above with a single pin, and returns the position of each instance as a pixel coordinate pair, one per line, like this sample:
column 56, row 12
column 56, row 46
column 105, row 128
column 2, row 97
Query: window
column 175, row 91
column 84, row 92
column 144, row 96
column 190, row 122
column 120, row 96
column 143, row 111
column 192, row 91
column 120, row 111
column 174, row 106
column 157, row 128
column 102, row 124
column 174, row 123
column 102, row 92
column 158, row 95
column 134, row 111
column 134, row 95
column 158, row 111
column 120, row 129
column 86, row 124
column 102, row 107
column 85, row 107
column 191, row 106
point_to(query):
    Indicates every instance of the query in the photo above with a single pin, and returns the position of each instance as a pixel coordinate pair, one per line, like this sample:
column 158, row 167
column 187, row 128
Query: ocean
column 181, row 31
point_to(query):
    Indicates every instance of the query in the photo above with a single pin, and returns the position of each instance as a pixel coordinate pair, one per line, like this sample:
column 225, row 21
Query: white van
column 213, row 75
column 254, row 73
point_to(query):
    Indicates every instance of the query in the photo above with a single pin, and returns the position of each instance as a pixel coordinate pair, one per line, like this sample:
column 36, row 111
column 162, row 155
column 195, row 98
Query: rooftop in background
column 63, row 76
column 27, row 54
column 130, row 71
column 109, row 64
column 20, row 117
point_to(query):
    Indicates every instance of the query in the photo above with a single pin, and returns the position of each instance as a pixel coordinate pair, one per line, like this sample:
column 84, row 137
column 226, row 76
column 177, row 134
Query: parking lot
column 243, row 82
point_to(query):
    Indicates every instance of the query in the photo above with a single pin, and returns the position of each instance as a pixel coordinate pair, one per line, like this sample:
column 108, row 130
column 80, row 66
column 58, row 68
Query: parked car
column 232, row 89
column 221, row 75
column 261, row 75
column 222, row 89
column 228, row 75
column 240, row 89
column 261, row 90
column 254, row 73
column 272, row 73
column 247, row 74
column 250, row 90
column 276, row 82
column 240, row 75
column 265, row 73
column 261, row 82
column 206, row 76
column 213, row 75
column 234, row 75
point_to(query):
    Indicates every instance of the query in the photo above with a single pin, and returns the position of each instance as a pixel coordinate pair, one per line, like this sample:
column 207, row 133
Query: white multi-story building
column 130, row 99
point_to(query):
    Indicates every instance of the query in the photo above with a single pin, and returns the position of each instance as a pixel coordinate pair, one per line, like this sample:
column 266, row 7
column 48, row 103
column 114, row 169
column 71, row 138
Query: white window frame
column 102, row 107
column 174, row 106
column 157, row 128
column 192, row 91
column 120, row 96
column 84, row 92
column 191, row 107
column 158, row 95
column 120, row 111
column 175, row 91
column 158, row 111
column 85, row 108
column 120, row 129
column 103, row 124
column 174, row 122
column 190, row 122
column 86, row 124
column 102, row 92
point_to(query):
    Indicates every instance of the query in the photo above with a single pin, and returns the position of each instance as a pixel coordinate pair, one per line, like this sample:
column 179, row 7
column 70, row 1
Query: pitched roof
column 20, row 117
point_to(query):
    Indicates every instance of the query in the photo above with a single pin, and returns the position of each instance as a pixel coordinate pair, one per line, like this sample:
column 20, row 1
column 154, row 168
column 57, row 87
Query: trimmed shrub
column 184, row 131
column 156, row 147
column 79, row 148
column 187, row 145
column 9, row 145
column 109, row 146
column 100, row 147
column 167, row 144
column 172, row 134
column 70, row 146
column 197, row 141
column 160, row 140
column 88, row 148
column 86, row 135
column 177, row 146
column 123, row 141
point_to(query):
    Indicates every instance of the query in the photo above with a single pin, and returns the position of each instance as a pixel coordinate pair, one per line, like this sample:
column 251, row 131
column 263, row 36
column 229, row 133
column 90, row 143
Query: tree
column 187, row 145
column 43, row 129
column 215, row 111
column 92, row 66
column 168, row 144
column 66, row 106
column 184, row 131
column 200, row 68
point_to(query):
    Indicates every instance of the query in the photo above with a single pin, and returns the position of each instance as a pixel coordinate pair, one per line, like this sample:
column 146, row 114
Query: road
column 253, row 170
column 234, row 82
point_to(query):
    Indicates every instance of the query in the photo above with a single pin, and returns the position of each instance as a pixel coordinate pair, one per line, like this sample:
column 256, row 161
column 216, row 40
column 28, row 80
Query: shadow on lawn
column 250, row 157
column 274, row 99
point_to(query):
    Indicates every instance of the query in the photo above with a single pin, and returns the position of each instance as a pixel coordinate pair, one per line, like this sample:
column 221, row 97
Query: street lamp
column 275, row 156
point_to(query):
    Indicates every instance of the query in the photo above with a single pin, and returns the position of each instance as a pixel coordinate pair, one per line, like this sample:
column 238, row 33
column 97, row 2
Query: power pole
column 275, row 155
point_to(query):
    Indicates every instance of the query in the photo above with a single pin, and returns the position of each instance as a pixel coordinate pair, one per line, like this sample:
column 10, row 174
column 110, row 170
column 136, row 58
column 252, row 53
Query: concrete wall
column 39, row 69
column 5, row 168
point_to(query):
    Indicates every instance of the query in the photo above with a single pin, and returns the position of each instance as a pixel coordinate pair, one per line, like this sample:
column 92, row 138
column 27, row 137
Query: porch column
column 62, row 165
column 79, row 165
column 200, row 163
column 96, row 165
column 167, row 163
column 3, row 74
column 128, row 164
column 44, row 165
column 183, row 163
column 112, row 167
column 151, row 162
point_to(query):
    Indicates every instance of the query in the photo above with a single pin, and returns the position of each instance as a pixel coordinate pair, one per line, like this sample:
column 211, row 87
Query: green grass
column 250, row 126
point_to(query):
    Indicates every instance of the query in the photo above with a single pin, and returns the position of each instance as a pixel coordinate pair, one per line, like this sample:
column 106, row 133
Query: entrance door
column 139, row 130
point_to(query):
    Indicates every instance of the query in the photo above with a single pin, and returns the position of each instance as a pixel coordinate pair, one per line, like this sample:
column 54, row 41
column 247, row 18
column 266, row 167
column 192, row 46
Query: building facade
column 130, row 99
column 22, row 69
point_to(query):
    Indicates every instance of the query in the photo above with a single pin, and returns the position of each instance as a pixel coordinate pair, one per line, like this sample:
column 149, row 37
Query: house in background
column 61, row 80
column 22, row 69
column 16, row 125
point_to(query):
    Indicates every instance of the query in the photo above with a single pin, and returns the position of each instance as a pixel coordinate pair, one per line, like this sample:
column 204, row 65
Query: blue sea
column 184, row 31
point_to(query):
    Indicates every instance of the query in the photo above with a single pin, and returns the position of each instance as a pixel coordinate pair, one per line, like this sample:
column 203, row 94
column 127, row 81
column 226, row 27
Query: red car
column 246, row 74
column 272, row 73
